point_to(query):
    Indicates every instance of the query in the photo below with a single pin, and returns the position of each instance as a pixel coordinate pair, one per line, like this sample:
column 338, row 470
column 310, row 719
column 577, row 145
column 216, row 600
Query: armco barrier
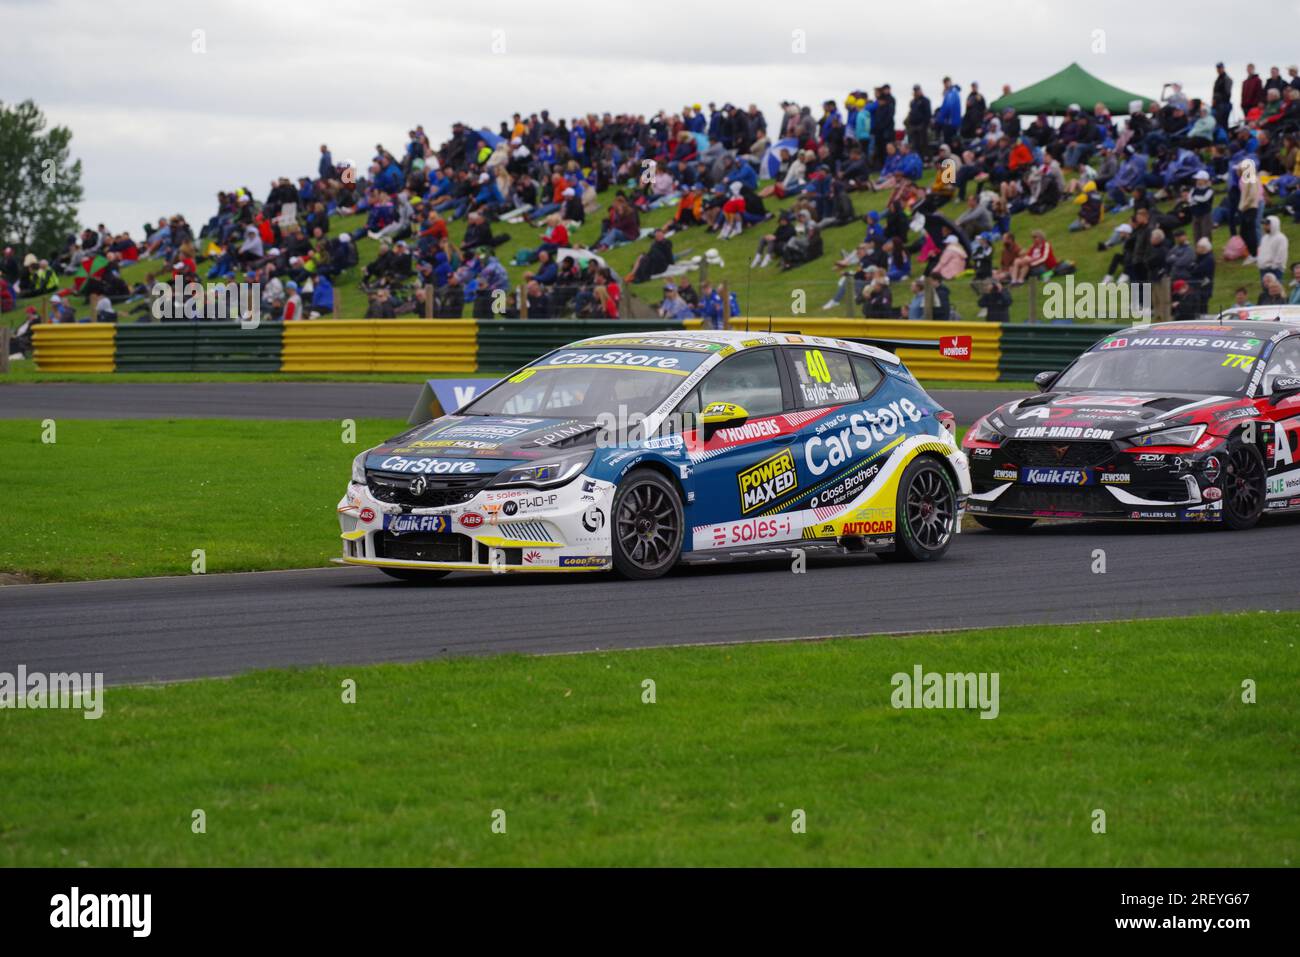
column 74, row 347
column 1028, row 349
column 506, row 344
column 384, row 345
column 198, row 347
column 982, row 366
column 998, row 351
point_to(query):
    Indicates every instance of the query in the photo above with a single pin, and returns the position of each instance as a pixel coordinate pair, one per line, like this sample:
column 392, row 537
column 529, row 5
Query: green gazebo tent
column 1074, row 84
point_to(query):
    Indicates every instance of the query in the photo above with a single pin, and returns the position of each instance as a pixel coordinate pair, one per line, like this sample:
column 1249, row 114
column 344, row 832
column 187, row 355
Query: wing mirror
column 717, row 415
column 1044, row 380
column 1284, row 387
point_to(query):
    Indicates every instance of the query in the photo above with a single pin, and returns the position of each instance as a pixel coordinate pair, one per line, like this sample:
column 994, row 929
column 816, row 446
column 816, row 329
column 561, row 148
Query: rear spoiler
column 893, row 345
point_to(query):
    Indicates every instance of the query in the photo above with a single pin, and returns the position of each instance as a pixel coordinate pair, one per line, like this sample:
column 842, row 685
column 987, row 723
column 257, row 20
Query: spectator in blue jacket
column 949, row 115
column 744, row 174
column 1130, row 175
column 909, row 163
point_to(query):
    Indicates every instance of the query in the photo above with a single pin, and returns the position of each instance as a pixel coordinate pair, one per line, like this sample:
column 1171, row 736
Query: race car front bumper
column 563, row 529
column 1127, row 485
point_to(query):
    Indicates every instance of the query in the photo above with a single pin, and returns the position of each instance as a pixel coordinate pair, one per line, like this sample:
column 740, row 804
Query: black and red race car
column 1168, row 422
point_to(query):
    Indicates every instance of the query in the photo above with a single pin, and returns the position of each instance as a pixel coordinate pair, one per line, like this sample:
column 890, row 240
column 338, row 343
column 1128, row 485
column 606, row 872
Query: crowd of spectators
column 1154, row 172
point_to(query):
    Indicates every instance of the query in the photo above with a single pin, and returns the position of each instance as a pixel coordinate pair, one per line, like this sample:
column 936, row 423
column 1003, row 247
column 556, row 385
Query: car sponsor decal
column 691, row 345
column 885, row 527
column 764, row 482
column 582, row 561
column 862, row 430
column 779, row 528
column 428, row 466
column 446, row 444
column 846, row 486
column 481, row 430
column 366, row 514
column 471, row 520
column 397, row 524
column 679, row 364
column 1062, row 432
column 754, row 430
column 561, row 432
column 593, row 519
column 1055, row 476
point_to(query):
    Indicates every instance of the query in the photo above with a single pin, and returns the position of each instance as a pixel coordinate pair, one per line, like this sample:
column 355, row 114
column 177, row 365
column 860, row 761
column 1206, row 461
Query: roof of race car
column 1208, row 325
column 1278, row 313
column 714, row 340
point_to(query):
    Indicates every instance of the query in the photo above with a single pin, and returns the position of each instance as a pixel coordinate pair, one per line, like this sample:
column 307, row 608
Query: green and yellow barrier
column 493, row 346
column 75, row 347
column 384, row 345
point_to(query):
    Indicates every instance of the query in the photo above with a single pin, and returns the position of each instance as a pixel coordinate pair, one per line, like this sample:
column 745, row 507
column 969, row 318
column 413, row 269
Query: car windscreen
column 583, row 383
column 1214, row 365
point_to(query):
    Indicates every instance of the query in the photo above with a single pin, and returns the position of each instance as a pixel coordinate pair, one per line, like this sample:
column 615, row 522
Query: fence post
column 521, row 300
column 428, row 301
column 927, row 294
column 4, row 348
column 1032, row 287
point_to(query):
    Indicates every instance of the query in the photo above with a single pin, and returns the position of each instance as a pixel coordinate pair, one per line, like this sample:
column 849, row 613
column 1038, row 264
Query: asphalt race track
column 186, row 627
column 286, row 400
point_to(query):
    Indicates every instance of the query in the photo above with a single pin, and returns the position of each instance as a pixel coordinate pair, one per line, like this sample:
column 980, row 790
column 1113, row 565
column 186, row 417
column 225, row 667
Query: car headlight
column 1183, row 435
column 359, row 468
column 548, row 474
column 981, row 431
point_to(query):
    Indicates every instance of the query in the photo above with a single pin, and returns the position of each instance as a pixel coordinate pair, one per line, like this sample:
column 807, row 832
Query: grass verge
column 1142, row 720
column 127, row 498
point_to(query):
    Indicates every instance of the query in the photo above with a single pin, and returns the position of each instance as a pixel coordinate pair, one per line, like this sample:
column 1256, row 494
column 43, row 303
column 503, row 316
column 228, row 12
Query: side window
column 1285, row 360
column 749, row 379
column 822, row 377
column 868, row 374
column 685, row 416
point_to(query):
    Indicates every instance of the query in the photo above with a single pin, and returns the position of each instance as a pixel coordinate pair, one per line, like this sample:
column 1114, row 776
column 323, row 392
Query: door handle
column 785, row 439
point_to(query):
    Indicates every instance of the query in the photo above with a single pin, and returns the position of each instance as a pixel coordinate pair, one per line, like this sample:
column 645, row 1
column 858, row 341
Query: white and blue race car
column 637, row 452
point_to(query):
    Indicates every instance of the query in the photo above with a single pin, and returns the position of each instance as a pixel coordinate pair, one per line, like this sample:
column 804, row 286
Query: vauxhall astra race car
column 639, row 451
column 1172, row 422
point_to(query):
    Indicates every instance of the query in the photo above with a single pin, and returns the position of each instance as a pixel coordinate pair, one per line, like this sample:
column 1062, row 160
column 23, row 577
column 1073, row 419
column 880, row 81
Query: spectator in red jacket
column 1035, row 261
column 1252, row 90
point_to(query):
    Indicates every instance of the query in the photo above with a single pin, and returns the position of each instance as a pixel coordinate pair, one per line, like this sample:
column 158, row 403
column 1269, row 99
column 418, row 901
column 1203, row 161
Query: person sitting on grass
column 733, row 209
column 1036, row 261
column 653, row 261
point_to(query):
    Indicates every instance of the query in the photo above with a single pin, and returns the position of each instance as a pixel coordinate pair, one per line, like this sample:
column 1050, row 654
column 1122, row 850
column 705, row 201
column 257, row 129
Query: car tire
column 1245, row 487
column 926, row 516
column 417, row 575
column 648, row 525
column 1000, row 523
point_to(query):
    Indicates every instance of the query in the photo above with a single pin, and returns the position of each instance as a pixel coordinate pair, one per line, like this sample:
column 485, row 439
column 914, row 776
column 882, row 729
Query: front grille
column 1030, row 498
column 424, row 547
column 395, row 489
column 1044, row 454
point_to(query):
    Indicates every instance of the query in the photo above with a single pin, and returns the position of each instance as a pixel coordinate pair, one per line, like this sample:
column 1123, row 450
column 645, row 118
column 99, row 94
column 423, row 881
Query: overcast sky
column 159, row 128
